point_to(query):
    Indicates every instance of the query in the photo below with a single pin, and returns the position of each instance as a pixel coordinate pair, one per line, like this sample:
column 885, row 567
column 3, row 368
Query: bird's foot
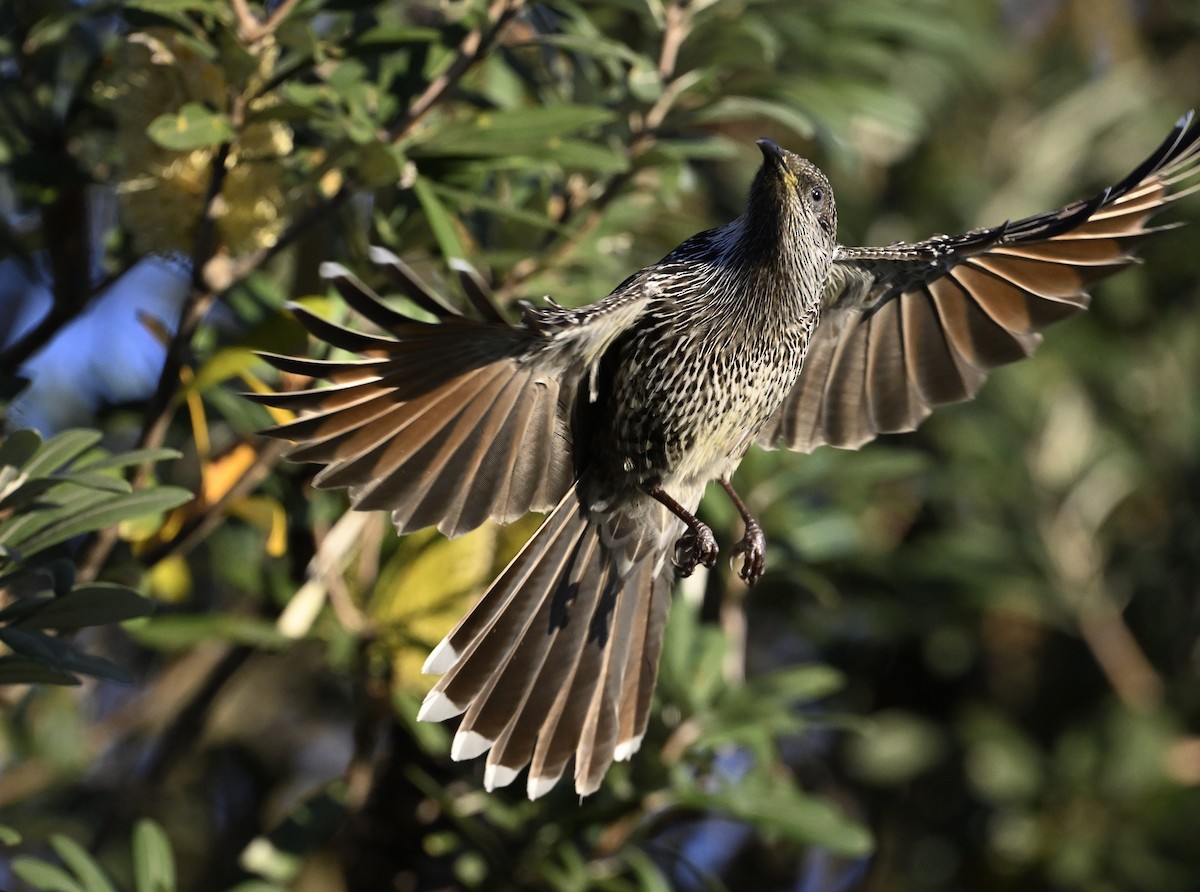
column 754, row 546
column 697, row 546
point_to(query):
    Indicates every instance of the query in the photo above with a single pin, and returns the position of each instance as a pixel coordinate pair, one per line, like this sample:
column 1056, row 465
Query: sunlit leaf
column 108, row 513
column 440, row 221
column 60, row 450
column 193, row 127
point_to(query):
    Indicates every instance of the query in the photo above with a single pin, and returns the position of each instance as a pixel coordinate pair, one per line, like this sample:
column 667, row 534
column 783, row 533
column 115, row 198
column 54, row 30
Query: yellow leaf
column 430, row 583
column 170, row 580
column 221, row 474
column 266, row 514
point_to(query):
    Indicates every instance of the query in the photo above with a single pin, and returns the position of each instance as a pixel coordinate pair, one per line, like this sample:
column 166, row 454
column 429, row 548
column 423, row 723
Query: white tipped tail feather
column 558, row 659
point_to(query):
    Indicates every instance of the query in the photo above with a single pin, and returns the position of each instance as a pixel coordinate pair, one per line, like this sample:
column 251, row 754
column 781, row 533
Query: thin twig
column 200, row 527
column 157, row 416
column 470, row 51
column 251, row 29
column 678, row 24
column 642, row 138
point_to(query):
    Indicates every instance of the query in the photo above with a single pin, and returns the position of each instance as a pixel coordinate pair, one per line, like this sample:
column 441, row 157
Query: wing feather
column 909, row 327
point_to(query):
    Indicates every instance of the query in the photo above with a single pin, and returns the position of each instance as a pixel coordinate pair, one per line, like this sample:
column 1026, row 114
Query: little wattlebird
column 614, row 417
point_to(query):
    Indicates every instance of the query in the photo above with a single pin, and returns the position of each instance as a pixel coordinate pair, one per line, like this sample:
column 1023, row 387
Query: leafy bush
column 973, row 654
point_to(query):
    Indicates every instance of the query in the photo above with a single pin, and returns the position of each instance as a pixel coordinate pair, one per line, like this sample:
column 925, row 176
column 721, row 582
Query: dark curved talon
column 754, row 546
column 697, row 546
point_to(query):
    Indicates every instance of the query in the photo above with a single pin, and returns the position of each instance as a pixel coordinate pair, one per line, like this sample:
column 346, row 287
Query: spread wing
column 446, row 423
column 913, row 326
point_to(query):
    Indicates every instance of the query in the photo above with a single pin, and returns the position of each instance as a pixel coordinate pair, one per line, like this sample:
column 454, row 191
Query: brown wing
column 447, row 423
column 909, row 327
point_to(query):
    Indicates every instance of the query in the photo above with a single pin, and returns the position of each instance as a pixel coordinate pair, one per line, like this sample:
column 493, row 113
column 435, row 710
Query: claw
column 754, row 546
column 696, row 546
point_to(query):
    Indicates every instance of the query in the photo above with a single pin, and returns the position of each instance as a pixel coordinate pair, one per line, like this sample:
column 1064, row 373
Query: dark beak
column 771, row 152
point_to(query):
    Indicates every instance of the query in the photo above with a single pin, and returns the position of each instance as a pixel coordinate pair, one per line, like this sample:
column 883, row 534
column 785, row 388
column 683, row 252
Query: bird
column 613, row 418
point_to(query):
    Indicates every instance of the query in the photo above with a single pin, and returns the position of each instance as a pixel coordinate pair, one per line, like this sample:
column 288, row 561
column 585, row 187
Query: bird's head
column 791, row 201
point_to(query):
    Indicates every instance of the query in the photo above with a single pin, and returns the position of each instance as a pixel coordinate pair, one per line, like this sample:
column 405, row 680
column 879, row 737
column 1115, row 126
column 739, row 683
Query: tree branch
column 251, row 29
column 470, row 51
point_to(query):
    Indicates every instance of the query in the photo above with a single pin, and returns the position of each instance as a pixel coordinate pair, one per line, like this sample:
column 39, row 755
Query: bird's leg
column 698, row 545
column 753, row 544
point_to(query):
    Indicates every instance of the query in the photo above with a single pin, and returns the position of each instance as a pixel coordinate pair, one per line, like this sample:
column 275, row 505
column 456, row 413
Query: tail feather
column 486, row 637
column 592, row 576
column 557, row 658
column 641, row 671
column 601, row 726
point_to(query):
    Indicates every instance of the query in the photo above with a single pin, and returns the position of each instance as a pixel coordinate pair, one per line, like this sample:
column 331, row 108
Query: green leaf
column 797, row 684
column 59, row 654
column 104, row 482
column 75, row 857
column 28, row 492
column 649, row 875
column 163, row 7
column 125, row 459
column 522, row 126
column 34, row 645
column 18, row 448
column 468, row 201
column 44, row 877
column 440, row 221
column 740, row 108
column 382, row 36
column 26, row 605
column 153, row 863
column 594, row 45
column 18, row 670
column 61, row 502
column 782, row 809
column 225, row 364
column 178, row 632
column 9, row 836
column 194, row 126
column 60, row 450
column 89, row 605
column 107, row 513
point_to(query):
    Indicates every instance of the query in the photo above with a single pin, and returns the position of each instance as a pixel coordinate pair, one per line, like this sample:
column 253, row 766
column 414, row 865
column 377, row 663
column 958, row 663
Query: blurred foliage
column 973, row 661
column 50, row 493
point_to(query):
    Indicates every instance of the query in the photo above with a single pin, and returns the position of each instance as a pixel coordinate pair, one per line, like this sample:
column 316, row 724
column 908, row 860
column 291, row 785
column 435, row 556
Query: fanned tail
column 559, row 657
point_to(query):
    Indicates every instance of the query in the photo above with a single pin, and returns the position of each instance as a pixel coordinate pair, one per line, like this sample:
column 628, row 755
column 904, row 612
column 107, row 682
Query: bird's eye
column 817, row 195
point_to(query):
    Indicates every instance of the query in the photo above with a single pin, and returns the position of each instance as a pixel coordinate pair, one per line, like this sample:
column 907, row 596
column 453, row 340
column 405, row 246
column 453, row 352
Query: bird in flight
column 614, row 418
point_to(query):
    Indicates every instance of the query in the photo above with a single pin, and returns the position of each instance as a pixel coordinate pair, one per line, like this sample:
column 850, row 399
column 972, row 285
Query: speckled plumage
column 614, row 417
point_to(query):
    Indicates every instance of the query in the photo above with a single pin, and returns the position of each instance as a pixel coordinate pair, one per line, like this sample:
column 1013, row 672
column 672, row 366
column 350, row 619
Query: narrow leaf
column 18, row 670
column 113, row 511
column 125, row 459
column 153, row 863
column 18, row 448
column 89, row 605
column 44, row 877
column 440, row 221
column 60, row 450
column 75, row 857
